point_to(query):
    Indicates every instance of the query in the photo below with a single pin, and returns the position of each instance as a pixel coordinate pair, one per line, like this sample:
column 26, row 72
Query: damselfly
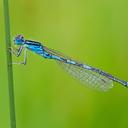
column 93, row 77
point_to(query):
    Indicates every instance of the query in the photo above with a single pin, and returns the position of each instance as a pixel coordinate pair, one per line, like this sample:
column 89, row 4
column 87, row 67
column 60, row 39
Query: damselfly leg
column 17, row 53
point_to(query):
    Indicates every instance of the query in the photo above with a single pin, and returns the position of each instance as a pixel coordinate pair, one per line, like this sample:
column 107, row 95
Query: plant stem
column 9, row 65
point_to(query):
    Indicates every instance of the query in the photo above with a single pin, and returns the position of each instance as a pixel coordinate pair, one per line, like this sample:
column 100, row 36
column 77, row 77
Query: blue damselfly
column 88, row 75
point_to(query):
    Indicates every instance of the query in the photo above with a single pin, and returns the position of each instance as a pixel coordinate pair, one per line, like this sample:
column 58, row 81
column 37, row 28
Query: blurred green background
column 93, row 31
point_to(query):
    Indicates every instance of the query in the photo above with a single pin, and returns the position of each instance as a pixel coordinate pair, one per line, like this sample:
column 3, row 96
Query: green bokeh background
column 93, row 31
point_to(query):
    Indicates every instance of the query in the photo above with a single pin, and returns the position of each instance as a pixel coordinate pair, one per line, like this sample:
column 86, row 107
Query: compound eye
column 19, row 40
column 19, row 37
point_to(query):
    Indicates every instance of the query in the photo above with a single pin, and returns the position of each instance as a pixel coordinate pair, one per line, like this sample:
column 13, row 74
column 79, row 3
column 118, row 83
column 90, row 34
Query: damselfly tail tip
column 127, row 84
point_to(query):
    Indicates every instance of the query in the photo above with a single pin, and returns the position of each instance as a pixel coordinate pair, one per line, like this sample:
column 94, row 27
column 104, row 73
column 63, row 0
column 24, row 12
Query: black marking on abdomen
column 30, row 42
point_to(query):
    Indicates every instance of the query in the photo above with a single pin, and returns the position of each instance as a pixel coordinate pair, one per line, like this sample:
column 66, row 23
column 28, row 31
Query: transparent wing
column 87, row 77
column 54, row 52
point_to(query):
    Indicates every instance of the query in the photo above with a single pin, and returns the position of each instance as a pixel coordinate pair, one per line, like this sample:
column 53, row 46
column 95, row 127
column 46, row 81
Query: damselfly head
column 19, row 40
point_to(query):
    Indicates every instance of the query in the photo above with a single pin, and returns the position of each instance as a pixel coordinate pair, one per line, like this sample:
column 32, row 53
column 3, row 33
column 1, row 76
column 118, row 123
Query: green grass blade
column 9, row 64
